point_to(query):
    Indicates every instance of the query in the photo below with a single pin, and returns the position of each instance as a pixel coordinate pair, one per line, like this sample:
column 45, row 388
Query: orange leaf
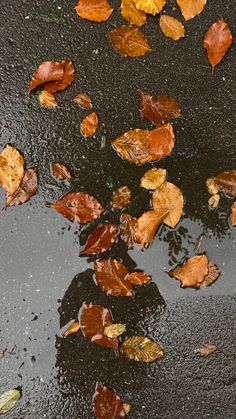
column 138, row 278
column 191, row 8
column 89, row 125
column 11, row 169
column 84, row 101
column 68, row 78
column 107, row 404
column 133, row 146
column 73, row 328
column 129, row 41
column 47, row 99
column 130, row 13
column 121, row 198
column 150, row 6
column 225, row 181
column 169, row 197
column 101, row 239
column 234, row 214
column 217, row 41
column 60, row 171
column 153, row 178
column 171, row 27
column 111, row 277
column 53, row 75
column 94, row 10
column 161, row 141
column 128, row 229
column 148, row 225
column 28, row 187
column 158, row 109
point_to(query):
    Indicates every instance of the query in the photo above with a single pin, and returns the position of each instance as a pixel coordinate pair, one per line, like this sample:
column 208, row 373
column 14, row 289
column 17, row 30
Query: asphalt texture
column 43, row 279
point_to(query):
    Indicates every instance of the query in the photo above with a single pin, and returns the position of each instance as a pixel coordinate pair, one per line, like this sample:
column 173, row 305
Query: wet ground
column 44, row 281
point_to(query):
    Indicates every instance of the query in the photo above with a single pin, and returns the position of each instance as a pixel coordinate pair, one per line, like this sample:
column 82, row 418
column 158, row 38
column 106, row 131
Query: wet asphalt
column 44, row 281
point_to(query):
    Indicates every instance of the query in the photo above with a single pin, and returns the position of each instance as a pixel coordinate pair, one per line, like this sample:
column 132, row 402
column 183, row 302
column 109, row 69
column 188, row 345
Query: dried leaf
column 28, row 188
column 8, row 400
column 148, row 225
column 130, row 13
column 150, row 6
column 73, row 328
column 84, row 101
column 234, row 214
column 206, row 350
column 47, row 99
column 129, row 41
column 78, row 207
column 60, row 171
column 53, row 75
column 121, row 198
column 2, row 353
column 225, row 181
column 115, row 330
column 133, row 146
column 11, row 169
column 211, row 186
column 141, row 348
column 89, row 125
column 213, row 274
column 94, row 10
column 171, row 27
column 101, row 239
column 217, row 41
column 111, row 277
column 158, row 109
column 128, row 229
column 93, row 320
column 153, row 178
column 169, row 197
column 127, row 408
column 214, row 200
column 107, row 404
column 138, row 278
column 191, row 8
column 161, row 141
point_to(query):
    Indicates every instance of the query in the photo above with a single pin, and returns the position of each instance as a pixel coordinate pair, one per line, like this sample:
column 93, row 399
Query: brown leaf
column 171, row 27
column 47, row 99
column 148, row 225
column 191, row 8
column 133, row 146
column 60, row 171
column 93, row 321
column 169, row 197
column 211, row 186
column 115, row 330
column 100, row 240
column 206, row 350
column 150, row 6
column 213, row 274
column 89, row 125
column 73, row 328
column 53, row 75
column 111, row 277
column 68, row 78
column 121, row 198
column 130, row 13
column 217, row 41
column 94, row 10
column 84, row 101
column 141, row 348
column 78, row 207
column 161, row 141
column 214, row 200
column 129, row 41
column 11, row 169
column 128, row 229
column 158, row 109
column 153, row 178
column 138, row 278
column 234, row 214
column 107, row 404
column 28, row 188
column 225, row 181
column 127, row 408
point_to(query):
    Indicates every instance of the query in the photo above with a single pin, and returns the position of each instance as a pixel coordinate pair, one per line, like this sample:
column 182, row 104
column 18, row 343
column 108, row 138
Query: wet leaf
column 2, row 353
column 158, row 109
column 213, row 274
column 217, row 41
column 161, row 141
column 129, row 41
column 73, row 328
column 115, row 330
column 150, row 6
column 28, row 188
column 53, row 75
column 11, row 169
column 171, row 27
column 206, row 350
column 101, row 239
column 130, row 13
column 60, row 171
column 138, row 278
column 224, row 181
column 211, row 186
column 89, row 125
column 148, row 225
column 107, row 404
column 133, row 146
column 84, row 101
column 128, row 229
column 78, row 207
column 93, row 320
column 121, row 198
column 111, row 277
column 191, row 8
column 127, row 408
column 94, row 10
column 169, row 197
column 153, row 178
column 47, row 99
column 8, row 400
column 141, row 348
column 234, row 214
column 214, row 200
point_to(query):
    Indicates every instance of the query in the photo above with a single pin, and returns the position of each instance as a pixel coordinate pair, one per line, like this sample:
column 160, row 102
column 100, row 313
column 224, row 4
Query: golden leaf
column 11, row 169
column 130, row 13
column 129, row 41
column 73, row 328
column 150, row 6
column 153, row 178
column 127, row 408
column 47, row 99
column 211, row 186
column 89, row 125
column 94, row 10
column 114, row 330
column 171, row 27
column 191, row 8
column 214, row 200
column 169, row 197
column 234, row 214
column 141, row 348
column 8, row 400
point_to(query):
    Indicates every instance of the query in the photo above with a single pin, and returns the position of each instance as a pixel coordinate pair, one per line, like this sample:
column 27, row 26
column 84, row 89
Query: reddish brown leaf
column 150, row 6
column 121, row 198
column 128, row 229
column 60, row 171
column 11, row 169
column 28, row 187
column 169, row 197
column 73, row 328
column 213, row 274
column 68, row 78
column 234, row 214
column 191, row 8
column 93, row 320
column 138, row 278
column 148, row 225
column 171, row 27
column 158, row 109
column 206, row 350
column 217, row 41
column 94, row 10
column 130, row 13
column 78, row 207
column 89, row 125
column 129, row 41
column 111, row 277
column 161, row 141
column 47, row 99
column 225, row 181
column 53, row 75
column 101, row 239
column 133, row 146
column 84, row 101
column 107, row 404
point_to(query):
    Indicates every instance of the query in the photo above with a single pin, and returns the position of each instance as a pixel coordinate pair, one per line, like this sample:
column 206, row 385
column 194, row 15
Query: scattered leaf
column 158, row 109
column 191, row 8
column 141, row 348
column 133, row 146
column 217, row 41
column 68, row 78
column 84, row 101
column 133, row 15
column 101, row 239
column 206, row 350
column 60, row 171
column 47, row 99
column 153, row 178
column 169, row 197
column 148, row 224
column 150, row 6
column 78, row 207
column 115, row 330
column 107, row 404
column 128, row 229
column 94, row 10
column 28, row 188
column 161, row 141
column 171, row 27
column 234, row 214
column 127, row 408
column 2, row 353
column 11, row 169
column 129, row 41
column 138, row 278
column 111, row 277
column 121, row 198
column 211, row 186
column 213, row 274
column 225, row 181
column 73, row 328
column 53, row 75
column 89, row 125
column 8, row 400
column 214, row 200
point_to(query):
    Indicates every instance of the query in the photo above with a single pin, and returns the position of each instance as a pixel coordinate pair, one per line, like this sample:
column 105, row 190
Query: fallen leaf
column 73, row 328
column 158, row 109
column 47, row 99
column 130, row 13
column 141, row 348
column 94, row 10
column 153, row 178
column 89, row 125
column 100, row 240
column 169, row 197
column 84, row 101
column 214, row 200
column 11, row 169
column 234, row 214
column 211, row 186
column 78, row 207
column 225, row 181
column 213, row 274
column 115, row 330
column 2, row 353
column 8, row 400
column 53, row 75
column 171, row 27
column 93, row 321
column 133, row 147
column 127, row 408
column 148, row 224
column 138, row 278
column 107, row 404
column 150, row 6
column 161, row 141
column 128, row 229
column 28, row 188
column 191, row 8
column 121, row 198
column 129, row 41
column 206, row 350
column 217, row 41
column 60, row 171
column 111, row 277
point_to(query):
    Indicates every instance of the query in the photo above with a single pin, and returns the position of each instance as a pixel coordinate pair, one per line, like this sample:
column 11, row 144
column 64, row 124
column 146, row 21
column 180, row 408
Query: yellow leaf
column 211, row 186
column 150, row 6
column 171, row 27
column 47, row 99
column 114, row 330
column 129, row 41
column 153, row 178
column 11, row 169
column 130, row 13
column 169, row 197
column 191, row 8
column 214, row 200
column 126, row 408
column 141, row 348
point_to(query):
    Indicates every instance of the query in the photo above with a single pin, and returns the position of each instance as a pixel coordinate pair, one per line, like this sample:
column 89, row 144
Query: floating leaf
column 158, row 109
column 73, row 328
column 161, row 141
column 115, row 330
column 206, row 350
column 169, row 197
column 128, row 229
column 130, row 13
column 47, row 99
column 171, row 27
column 60, row 171
column 121, row 198
column 93, row 320
column 101, row 239
column 78, row 207
column 214, row 200
column 94, row 10
column 107, row 404
column 28, row 188
column 53, row 75
column 129, row 41
column 11, row 169
column 150, row 6
column 84, row 101
column 234, row 214
column 148, row 224
column 138, row 278
column 111, row 277
column 225, row 181
column 133, row 146
column 191, row 8
column 217, row 41
column 8, row 400
column 141, row 348
column 89, row 125
column 153, row 178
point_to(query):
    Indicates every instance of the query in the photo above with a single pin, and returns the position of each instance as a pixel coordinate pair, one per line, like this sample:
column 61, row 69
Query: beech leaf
column 111, row 277
column 150, row 6
column 60, row 171
column 148, row 224
column 214, row 200
column 212, row 275
column 101, row 239
column 206, row 350
column 153, row 178
column 191, row 8
column 121, row 198
column 83, row 100
column 141, row 348
column 171, row 27
column 11, row 169
column 224, row 181
column 128, row 229
column 130, row 13
column 234, row 214
column 47, row 99
column 28, row 188
column 133, row 147
column 115, row 330
column 169, row 197
column 138, row 278
column 8, row 400
column 129, row 41
column 89, row 125
column 217, row 41
column 161, row 141
column 94, row 10
column 73, row 328
column 53, row 75
column 158, row 109
column 107, row 404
